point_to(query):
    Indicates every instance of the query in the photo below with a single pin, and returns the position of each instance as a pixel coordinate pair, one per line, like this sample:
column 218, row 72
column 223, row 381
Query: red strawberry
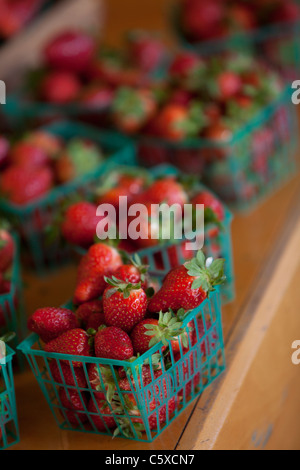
column 80, row 224
column 60, row 88
column 97, row 96
column 140, row 340
column 49, row 323
column 7, row 248
column 146, row 51
column 133, row 273
column 113, row 343
column 75, row 405
column 101, row 260
column 166, row 190
column 70, row 50
column 124, row 305
column 66, row 375
column 202, row 19
column 186, row 70
column 229, row 85
column 132, row 109
column 5, row 285
column 171, row 122
column 4, row 151
column 88, row 309
column 210, row 202
column 287, row 11
column 23, row 185
column 188, row 286
column 74, row 342
column 100, row 413
column 15, row 14
column 27, row 154
column 241, row 18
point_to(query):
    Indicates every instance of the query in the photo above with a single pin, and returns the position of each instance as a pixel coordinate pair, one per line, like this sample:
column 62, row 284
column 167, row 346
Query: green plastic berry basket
column 278, row 44
column 245, row 169
column 32, row 219
column 159, row 385
column 12, row 314
column 9, row 428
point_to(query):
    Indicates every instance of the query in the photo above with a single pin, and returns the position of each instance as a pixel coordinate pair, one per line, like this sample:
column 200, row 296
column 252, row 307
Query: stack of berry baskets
column 158, row 185
column 131, row 382
column 269, row 30
column 44, row 170
column 9, row 429
column 12, row 316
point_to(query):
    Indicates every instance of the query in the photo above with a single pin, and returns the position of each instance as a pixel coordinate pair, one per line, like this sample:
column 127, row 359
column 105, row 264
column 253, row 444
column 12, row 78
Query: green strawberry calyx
column 128, row 102
column 208, row 272
column 169, row 328
column 121, row 286
column 142, row 268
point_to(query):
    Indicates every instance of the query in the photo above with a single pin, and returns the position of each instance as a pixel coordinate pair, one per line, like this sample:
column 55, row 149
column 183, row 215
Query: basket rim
column 26, row 346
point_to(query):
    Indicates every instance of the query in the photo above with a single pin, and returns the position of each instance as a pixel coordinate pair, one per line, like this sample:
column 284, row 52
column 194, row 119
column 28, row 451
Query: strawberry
column 15, row 14
column 134, row 273
column 49, row 323
column 99, row 413
column 49, row 143
column 101, row 380
column 229, row 85
column 146, row 51
column 60, row 88
column 27, row 154
column 63, row 374
column 101, row 260
column 74, row 342
column 113, row 343
column 74, row 405
column 166, row 190
column 187, row 286
column 185, row 71
column 23, row 185
column 5, row 285
column 131, row 109
column 4, row 151
column 140, row 340
column 124, row 304
column 287, row 11
column 88, row 309
column 177, row 123
column 211, row 204
column 80, row 223
column 241, row 18
column 7, row 249
column 202, row 19
column 79, row 158
column 70, row 50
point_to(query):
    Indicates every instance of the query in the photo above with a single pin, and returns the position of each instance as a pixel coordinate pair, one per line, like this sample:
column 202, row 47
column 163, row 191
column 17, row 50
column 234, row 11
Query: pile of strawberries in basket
column 7, row 251
column 217, row 19
column 138, row 186
column 32, row 166
column 75, row 70
column 120, row 314
column 209, row 98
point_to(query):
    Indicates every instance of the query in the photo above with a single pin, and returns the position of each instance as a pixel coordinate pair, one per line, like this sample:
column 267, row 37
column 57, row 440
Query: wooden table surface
column 261, row 242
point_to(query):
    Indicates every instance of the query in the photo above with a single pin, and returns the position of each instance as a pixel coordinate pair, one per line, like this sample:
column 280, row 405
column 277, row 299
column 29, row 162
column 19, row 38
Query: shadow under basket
column 9, row 429
column 159, row 384
column 32, row 219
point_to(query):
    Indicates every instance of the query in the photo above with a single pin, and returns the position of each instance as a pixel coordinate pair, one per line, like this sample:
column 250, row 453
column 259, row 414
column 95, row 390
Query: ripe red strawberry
column 49, row 143
column 241, row 18
column 49, row 323
column 66, row 374
column 100, row 413
column 88, row 309
column 146, row 51
column 185, row 71
column 211, row 203
column 80, row 223
column 172, row 122
column 134, row 273
column 74, row 342
column 79, row 158
column 102, row 380
column 75, row 405
column 23, row 185
column 113, row 343
column 132, row 109
column 287, row 11
column 124, row 305
column 166, row 190
column 101, row 260
column 70, row 50
column 202, row 19
column 188, row 286
column 60, row 88
column 7, row 249
column 4, row 151
column 27, row 154
column 140, row 340
column 15, row 14
column 229, row 85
